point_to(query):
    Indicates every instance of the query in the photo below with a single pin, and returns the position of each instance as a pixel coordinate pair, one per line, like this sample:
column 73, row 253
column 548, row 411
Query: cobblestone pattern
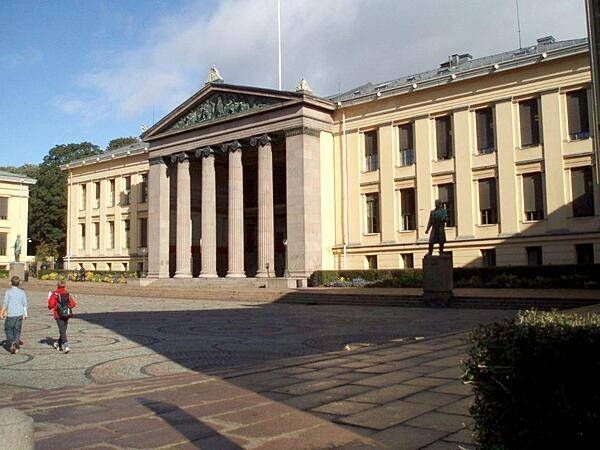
column 147, row 373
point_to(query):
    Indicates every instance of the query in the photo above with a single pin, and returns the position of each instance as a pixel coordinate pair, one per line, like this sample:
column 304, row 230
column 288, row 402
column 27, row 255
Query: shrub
column 89, row 276
column 3, row 273
column 535, row 380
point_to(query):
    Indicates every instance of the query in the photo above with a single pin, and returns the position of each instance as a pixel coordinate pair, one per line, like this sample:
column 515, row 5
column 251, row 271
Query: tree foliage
column 120, row 142
column 48, row 197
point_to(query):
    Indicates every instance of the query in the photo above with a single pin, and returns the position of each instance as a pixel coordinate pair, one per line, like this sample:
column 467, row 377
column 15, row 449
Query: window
column 585, row 253
column 407, row 209
column 109, row 266
column 488, row 209
column 530, row 122
column 371, row 156
column 534, row 256
column 81, row 236
column 143, row 230
column 82, row 194
column 111, row 193
column 488, row 257
column 126, row 235
column 372, row 213
column 126, row 191
column 408, row 260
column 110, row 236
column 443, row 135
column 577, row 114
column 407, row 152
column 144, row 189
column 97, row 195
column 582, row 188
column 3, row 208
column 533, row 196
column 3, row 244
column 484, row 119
column 446, row 196
column 372, row 261
column 96, row 242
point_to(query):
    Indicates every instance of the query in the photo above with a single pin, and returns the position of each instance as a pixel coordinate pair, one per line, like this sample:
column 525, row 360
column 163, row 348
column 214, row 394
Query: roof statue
column 303, row 86
column 214, row 76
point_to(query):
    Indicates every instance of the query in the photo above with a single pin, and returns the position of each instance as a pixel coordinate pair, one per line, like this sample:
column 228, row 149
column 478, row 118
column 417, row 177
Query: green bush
column 3, row 273
column 561, row 276
column 98, row 276
column 373, row 277
column 535, row 380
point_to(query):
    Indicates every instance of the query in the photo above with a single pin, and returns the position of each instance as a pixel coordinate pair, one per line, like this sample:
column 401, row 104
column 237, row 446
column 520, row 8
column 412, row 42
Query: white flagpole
column 279, row 42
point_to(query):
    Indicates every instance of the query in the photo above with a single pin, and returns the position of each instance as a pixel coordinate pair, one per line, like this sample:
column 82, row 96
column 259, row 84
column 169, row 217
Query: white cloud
column 332, row 43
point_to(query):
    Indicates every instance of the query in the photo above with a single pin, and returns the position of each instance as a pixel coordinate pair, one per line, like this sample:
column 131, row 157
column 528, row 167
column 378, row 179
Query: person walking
column 61, row 303
column 14, row 310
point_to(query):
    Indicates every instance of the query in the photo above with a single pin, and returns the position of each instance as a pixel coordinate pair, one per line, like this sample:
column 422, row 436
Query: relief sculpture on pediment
column 220, row 105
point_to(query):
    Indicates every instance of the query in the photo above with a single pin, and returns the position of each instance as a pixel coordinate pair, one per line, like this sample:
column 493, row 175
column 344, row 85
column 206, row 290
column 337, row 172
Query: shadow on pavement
column 189, row 426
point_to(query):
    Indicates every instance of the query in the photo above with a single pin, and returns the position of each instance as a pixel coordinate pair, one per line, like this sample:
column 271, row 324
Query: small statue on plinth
column 18, row 248
column 437, row 224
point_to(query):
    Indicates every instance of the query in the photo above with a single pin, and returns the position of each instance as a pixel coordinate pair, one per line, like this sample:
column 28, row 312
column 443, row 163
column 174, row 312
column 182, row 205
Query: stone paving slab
column 192, row 374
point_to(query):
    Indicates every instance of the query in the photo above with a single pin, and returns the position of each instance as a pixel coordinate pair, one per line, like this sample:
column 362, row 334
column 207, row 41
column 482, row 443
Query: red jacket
column 53, row 301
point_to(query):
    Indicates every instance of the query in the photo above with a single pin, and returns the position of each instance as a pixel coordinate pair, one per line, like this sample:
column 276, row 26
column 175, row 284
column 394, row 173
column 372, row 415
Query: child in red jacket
column 53, row 303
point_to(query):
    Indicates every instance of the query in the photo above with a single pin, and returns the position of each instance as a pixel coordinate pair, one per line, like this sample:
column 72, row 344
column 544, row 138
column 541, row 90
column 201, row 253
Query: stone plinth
column 16, row 429
column 18, row 269
column 437, row 279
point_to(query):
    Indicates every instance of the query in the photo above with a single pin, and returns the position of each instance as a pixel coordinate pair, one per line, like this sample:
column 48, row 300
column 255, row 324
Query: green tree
column 48, row 197
column 120, row 142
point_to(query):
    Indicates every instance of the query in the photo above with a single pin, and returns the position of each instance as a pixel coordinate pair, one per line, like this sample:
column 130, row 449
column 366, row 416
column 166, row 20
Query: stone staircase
column 256, row 290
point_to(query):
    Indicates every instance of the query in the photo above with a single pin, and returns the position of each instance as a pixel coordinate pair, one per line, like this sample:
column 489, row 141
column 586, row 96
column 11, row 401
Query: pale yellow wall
column 16, row 219
column 328, row 210
column 135, row 166
column 502, row 91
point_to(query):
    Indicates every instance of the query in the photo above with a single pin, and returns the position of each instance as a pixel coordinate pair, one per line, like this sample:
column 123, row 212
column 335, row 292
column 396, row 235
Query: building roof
column 121, row 152
column 462, row 66
column 15, row 178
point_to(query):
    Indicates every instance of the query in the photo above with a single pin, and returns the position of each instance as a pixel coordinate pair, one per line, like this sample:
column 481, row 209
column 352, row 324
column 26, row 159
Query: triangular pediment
column 222, row 104
column 217, row 102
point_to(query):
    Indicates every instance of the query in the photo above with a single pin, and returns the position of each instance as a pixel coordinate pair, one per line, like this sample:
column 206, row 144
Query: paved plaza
column 176, row 373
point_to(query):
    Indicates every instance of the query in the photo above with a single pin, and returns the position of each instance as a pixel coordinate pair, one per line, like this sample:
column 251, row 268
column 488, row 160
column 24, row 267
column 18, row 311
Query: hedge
column 560, row 276
column 535, row 380
column 3, row 273
column 105, row 276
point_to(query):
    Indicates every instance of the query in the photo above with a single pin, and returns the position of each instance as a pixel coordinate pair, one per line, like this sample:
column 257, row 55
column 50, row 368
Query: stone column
column 158, row 219
column 266, row 227
column 303, row 201
column 236, row 212
column 209, row 214
column 183, row 268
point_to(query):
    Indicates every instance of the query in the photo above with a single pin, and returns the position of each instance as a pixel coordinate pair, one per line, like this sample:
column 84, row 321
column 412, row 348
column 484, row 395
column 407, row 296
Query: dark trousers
column 12, row 328
column 62, row 329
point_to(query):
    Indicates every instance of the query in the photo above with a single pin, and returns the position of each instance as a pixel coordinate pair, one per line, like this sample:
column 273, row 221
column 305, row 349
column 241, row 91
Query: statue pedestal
column 437, row 279
column 18, row 269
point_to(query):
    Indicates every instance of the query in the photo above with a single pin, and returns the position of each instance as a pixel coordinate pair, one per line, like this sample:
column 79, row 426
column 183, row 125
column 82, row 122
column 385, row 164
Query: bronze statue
column 437, row 223
column 18, row 248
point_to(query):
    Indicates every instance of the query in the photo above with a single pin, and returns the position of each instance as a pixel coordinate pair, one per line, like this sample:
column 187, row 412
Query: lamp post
column 286, row 272
column 143, row 273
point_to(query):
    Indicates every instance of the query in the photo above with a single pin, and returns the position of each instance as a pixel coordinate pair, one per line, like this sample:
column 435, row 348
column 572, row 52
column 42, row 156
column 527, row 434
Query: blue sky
column 93, row 70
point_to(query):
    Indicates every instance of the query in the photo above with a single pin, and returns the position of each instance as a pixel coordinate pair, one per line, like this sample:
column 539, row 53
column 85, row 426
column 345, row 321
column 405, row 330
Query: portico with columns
column 234, row 185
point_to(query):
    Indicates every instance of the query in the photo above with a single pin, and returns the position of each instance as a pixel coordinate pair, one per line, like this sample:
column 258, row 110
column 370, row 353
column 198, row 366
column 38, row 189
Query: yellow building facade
column 506, row 146
column 14, row 209
column 107, row 210
column 285, row 183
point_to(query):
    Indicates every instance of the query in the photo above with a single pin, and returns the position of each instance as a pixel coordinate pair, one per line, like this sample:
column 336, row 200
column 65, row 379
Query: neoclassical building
column 14, row 210
column 253, row 182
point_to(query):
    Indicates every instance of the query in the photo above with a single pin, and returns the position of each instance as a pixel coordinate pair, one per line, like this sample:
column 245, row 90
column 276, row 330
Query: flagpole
column 279, row 43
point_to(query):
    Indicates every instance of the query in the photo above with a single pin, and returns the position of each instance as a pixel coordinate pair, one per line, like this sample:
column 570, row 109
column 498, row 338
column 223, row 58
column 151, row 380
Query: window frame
column 485, row 130
column 371, row 152
column 372, row 213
